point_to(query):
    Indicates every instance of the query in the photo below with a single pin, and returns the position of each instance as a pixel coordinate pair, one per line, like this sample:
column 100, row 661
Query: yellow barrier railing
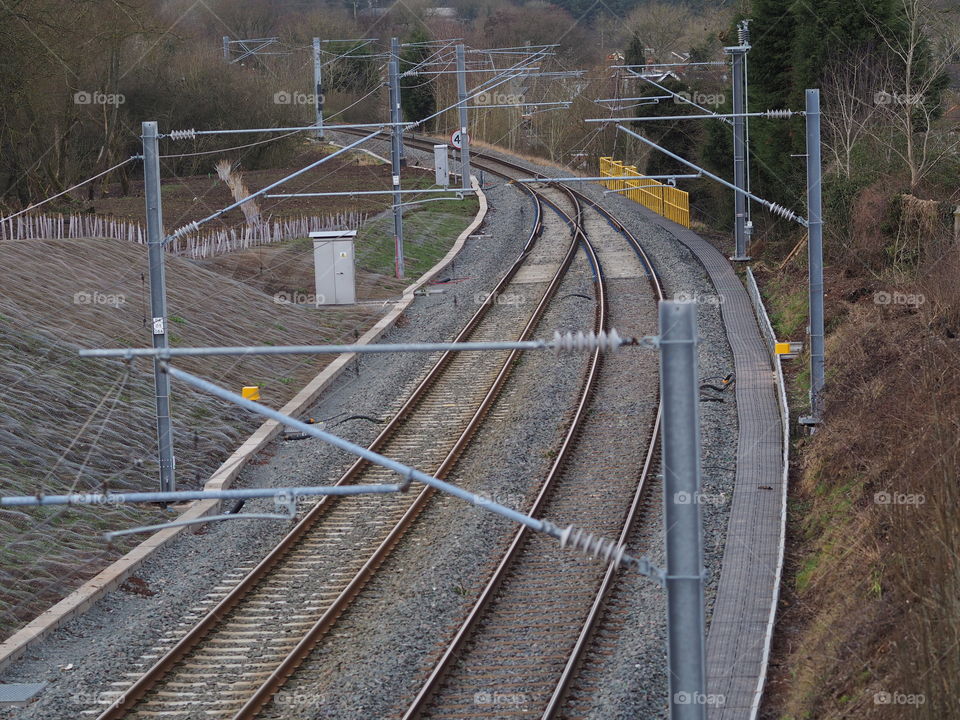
column 664, row 200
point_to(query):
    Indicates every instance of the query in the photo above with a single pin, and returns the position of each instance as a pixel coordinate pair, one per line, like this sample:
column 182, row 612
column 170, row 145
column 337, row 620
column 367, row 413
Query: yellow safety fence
column 663, row 199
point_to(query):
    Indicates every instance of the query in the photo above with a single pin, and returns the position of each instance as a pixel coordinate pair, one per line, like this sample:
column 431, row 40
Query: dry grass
column 867, row 218
column 233, row 179
column 71, row 424
column 56, row 435
column 871, row 610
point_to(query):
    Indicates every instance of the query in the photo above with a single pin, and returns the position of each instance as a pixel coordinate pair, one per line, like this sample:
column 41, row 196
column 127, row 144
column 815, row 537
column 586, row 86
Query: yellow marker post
column 783, row 348
column 251, row 392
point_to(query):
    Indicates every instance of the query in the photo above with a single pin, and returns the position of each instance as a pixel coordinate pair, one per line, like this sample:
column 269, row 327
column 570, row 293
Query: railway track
column 598, row 654
column 245, row 647
column 519, row 651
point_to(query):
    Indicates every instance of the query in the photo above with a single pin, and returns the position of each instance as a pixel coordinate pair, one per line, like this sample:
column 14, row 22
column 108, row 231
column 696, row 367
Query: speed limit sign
column 456, row 139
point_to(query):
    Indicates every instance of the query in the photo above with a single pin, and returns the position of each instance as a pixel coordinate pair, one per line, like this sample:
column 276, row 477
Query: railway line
column 249, row 644
column 250, row 633
column 519, row 650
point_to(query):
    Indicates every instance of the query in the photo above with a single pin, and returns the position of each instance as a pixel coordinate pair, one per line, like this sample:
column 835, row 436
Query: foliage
column 714, row 201
column 353, row 70
column 86, row 77
column 417, row 96
column 800, row 47
column 775, row 176
column 678, row 136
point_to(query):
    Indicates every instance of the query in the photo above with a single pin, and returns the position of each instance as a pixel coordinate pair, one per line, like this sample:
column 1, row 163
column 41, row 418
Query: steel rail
column 595, row 614
column 593, row 619
column 278, row 678
column 296, row 657
column 155, row 674
column 489, row 592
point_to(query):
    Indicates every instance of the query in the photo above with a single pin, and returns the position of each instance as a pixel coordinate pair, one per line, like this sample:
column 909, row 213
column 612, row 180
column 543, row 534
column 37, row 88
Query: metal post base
column 738, row 258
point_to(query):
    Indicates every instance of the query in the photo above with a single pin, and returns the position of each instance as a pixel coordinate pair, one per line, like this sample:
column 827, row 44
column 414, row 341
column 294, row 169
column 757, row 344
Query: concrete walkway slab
column 739, row 633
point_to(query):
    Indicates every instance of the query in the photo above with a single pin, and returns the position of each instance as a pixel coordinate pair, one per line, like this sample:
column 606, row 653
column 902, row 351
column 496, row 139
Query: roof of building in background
column 447, row 12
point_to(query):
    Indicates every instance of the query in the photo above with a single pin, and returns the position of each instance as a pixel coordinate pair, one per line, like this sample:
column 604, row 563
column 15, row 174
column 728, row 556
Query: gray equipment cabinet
column 333, row 265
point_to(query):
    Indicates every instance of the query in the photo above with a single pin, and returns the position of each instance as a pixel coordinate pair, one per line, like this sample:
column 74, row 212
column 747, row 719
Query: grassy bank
column 74, row 425
column 869, row 623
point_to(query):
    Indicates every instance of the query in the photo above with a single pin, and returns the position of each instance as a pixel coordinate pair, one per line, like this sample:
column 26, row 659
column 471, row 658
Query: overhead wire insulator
column 592, row 545
column 190, row 134
column 779, row 114
column 604, row 341
column 781, row 211
column 185, row 230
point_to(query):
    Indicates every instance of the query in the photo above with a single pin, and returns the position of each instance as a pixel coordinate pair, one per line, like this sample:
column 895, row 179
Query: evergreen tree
column 677, row 136
column 681, row 137
column 635, row 54
column 417, row 97
column 792, row 47
column 828, row 29
column 774, row 174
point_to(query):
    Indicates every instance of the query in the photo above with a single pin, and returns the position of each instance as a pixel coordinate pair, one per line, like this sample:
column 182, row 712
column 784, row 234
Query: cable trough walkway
column 739, row 633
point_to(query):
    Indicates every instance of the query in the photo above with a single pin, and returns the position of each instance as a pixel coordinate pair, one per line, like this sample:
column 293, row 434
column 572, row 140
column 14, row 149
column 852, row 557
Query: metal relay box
column 334, row 268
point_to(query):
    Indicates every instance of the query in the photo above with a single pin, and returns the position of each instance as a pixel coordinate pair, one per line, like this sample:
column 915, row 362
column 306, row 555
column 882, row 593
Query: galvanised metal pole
column 318, row 87
column 226, row 48
column 113, row 499
column 739, row 154
column 191, row 133
column 462, row 102
column 395, row 54
column 395, row 142
column 681, row 518
column 815, row 256
column 158, row 302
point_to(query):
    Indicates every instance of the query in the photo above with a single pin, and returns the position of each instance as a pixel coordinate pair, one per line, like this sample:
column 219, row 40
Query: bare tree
column 909, row 101
column 849, row 107
column 664, row 28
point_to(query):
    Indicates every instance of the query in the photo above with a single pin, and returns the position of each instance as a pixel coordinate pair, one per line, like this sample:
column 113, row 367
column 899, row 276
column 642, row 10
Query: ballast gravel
column 81, row 658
